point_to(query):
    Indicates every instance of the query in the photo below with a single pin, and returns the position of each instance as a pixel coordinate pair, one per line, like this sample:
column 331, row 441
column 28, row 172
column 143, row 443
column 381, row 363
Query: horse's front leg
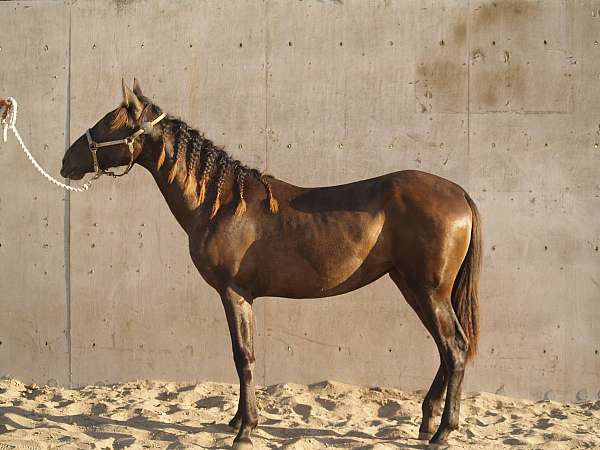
column 240, row 321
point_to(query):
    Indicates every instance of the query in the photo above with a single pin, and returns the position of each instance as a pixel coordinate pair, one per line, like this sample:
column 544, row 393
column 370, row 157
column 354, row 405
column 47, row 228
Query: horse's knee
column 247, row 373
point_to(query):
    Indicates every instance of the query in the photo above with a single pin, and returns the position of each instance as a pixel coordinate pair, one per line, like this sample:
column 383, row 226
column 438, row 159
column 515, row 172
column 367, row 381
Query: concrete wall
column 500, row 97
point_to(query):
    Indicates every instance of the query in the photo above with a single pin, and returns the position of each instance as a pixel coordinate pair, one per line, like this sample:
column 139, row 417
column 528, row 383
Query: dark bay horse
column 252, row 236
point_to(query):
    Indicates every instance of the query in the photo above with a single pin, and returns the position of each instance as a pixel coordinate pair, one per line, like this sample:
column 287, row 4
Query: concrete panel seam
column 67, row 216
column 266, row 131
column 469, row 92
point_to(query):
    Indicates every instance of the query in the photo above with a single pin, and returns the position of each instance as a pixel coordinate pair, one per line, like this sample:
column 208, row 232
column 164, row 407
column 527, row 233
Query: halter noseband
column 145, row 127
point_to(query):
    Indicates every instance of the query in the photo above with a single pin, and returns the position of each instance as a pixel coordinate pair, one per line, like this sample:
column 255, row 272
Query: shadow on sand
column 101, row 428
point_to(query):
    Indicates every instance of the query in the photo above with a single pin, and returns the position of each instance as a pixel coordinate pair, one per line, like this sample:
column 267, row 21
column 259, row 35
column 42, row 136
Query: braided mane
column 204, row 162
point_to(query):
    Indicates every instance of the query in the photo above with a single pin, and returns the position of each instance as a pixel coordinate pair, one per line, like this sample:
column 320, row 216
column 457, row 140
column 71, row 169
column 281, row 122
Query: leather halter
column 145, row 127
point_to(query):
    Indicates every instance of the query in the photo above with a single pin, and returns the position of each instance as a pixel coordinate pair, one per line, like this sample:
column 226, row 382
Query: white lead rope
column 8, row 123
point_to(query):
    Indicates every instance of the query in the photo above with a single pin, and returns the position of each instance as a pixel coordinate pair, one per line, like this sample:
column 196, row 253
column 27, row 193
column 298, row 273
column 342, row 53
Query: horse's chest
column 217, row 255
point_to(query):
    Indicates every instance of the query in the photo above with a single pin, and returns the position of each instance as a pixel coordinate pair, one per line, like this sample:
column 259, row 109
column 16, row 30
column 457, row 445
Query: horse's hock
column 493, row 95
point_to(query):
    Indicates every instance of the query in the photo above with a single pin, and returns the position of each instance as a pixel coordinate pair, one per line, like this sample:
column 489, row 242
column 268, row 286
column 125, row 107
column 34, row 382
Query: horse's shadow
column 277, row 436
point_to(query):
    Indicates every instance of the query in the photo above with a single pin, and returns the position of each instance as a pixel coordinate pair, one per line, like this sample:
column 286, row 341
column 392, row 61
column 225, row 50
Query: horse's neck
column 183, row 207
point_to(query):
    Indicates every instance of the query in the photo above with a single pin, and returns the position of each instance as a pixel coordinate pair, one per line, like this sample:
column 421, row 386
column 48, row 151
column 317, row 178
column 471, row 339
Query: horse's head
column 118, row 125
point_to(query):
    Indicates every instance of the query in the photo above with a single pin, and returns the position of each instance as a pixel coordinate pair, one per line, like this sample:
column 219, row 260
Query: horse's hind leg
column 453, row 346
column 433, row 400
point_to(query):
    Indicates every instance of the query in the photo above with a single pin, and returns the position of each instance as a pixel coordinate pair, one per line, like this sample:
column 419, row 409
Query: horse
column 252, row 235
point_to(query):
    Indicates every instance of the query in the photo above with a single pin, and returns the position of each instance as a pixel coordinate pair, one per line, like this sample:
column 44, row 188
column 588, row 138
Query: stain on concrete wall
column 442, row 71
column 520, row 57
column 497, row 96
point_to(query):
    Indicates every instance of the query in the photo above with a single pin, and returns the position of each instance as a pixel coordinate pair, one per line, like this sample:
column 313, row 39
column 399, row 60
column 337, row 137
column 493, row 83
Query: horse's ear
column 137, row 89
column 131, row 101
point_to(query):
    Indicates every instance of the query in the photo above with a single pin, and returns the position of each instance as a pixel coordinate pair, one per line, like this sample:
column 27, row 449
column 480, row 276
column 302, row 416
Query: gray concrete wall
column 500, row 97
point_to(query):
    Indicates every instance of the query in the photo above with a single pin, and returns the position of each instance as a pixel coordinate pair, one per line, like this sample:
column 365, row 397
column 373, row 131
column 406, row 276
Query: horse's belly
column 331, row 259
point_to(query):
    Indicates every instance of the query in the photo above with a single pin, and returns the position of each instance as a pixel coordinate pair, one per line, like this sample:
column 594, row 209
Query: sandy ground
column 150, row 414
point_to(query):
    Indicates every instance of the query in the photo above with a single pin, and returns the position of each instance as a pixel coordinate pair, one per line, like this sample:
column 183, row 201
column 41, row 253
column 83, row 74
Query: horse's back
column 416, row 187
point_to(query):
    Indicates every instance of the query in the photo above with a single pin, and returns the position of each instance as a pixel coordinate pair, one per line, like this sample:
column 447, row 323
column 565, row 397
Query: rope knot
column 9, row 115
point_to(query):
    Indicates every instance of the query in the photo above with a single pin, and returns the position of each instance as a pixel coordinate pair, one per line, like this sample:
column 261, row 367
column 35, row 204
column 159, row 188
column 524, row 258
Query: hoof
column 424, row 436
column 245, row 444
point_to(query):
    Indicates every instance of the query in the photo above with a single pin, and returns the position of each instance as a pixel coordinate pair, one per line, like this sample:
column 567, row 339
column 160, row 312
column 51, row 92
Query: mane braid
column 240, row 177
column 161, row 157
column 195, row 146
column 206, row 171
column 273, row 204
column 163, row 153
column 182, row 136
column 223, row 166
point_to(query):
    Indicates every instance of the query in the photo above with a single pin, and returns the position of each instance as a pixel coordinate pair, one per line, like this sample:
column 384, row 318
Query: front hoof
column 242, row 444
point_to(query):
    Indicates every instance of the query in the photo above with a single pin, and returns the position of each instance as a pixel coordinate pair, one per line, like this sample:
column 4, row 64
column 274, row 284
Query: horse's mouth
column 72, row 174
column 78, row 176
